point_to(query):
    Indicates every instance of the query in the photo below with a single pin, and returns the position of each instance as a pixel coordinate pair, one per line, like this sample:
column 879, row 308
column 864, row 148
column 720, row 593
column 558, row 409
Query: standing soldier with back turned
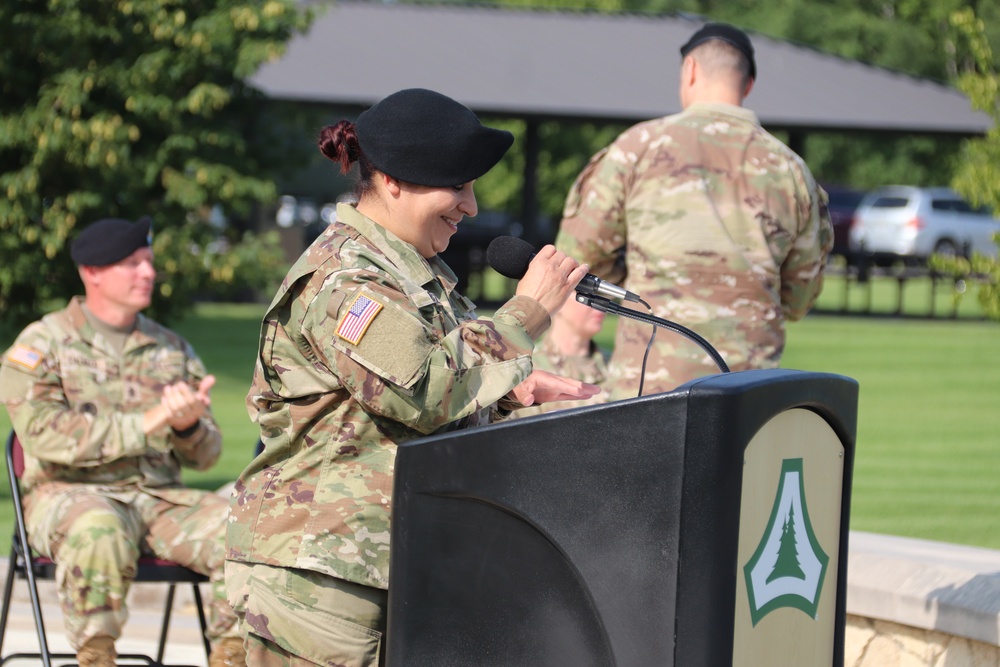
column 714, row 222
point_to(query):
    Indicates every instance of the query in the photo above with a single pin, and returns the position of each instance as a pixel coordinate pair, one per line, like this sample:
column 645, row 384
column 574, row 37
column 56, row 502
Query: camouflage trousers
column 96, row 534
column 297, row 618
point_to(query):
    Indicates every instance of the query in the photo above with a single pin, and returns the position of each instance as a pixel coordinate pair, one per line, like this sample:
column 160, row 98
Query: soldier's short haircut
column 720, row 58
column 729, row 34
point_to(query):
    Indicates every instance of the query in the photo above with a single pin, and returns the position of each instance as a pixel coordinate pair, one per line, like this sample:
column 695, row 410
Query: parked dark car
column 844, row 202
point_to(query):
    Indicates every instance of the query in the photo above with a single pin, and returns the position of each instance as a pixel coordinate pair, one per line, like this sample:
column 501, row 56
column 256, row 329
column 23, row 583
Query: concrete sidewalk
column 141, row 633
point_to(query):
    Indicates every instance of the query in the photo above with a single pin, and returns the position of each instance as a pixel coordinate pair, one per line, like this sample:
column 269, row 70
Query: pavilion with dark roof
column 542, row 65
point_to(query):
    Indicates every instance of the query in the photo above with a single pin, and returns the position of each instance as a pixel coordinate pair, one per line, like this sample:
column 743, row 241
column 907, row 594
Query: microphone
column 509, row 256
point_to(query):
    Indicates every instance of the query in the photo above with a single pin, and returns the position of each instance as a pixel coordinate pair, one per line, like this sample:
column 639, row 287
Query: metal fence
column 861, row 287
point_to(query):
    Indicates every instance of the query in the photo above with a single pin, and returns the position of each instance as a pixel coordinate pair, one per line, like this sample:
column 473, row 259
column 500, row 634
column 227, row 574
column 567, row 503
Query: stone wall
column 873, row 643
column 915, row 603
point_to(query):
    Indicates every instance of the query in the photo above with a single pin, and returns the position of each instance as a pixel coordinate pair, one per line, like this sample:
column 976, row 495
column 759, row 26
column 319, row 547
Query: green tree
column 914, row 37
column 978, row 177
column 126, row 108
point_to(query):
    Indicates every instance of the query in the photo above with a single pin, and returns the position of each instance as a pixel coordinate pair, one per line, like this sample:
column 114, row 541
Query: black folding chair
column 27, row 565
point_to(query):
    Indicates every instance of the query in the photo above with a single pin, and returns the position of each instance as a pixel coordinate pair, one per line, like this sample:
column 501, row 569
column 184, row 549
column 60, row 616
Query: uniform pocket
column 166, row 366
column 309, row 616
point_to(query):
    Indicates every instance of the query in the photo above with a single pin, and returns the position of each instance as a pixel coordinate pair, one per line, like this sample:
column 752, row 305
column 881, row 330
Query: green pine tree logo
column 787, row 564
column 788, row 567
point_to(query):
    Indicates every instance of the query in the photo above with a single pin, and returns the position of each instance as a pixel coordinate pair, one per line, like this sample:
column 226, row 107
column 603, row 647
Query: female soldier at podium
column 366, row 345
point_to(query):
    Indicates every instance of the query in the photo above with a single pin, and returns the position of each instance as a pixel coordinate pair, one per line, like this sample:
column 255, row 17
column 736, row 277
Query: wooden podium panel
column 790, row 518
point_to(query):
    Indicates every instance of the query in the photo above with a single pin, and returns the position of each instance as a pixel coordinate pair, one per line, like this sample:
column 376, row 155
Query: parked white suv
column 901, row 221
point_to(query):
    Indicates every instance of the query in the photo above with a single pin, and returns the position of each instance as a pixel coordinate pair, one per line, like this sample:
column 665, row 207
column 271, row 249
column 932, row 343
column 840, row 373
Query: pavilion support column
column 797, row 142
column 529, row 191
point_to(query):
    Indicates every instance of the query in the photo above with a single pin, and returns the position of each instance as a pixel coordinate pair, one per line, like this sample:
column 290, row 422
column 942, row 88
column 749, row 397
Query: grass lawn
column 928, row 455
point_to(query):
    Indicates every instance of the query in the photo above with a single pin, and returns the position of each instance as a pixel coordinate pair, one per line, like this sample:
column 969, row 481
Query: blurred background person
column 568, row 349
column 109, row 406
column 366, row 345
column 711, row 220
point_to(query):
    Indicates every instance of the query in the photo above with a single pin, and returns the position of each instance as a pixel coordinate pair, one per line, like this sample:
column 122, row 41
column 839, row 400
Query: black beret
column 110, row 240
column 727, row 33
column 426, row 138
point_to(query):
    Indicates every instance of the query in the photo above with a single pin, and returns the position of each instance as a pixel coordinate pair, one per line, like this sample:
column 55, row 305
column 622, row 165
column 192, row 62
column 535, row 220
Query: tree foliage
column 124, row 108
column 978, row 177
column 914, row 37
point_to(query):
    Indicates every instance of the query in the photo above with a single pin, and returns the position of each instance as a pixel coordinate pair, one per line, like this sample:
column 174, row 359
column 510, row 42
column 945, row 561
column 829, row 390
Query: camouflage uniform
column 336, row 388
column 591, row 368
column 98, row 491
column 716, row 224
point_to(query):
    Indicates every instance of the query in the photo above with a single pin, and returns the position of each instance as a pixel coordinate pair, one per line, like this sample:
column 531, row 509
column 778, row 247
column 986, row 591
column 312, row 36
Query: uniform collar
column 718, row 108
column 402, row 254
column 142, row 334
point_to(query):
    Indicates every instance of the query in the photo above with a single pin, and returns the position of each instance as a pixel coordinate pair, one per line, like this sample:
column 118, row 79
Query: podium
column 704, row 526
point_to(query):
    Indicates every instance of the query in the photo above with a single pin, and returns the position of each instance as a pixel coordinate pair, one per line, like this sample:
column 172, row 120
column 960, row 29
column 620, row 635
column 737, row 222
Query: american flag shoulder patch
column 358, row 318
column 24, row 356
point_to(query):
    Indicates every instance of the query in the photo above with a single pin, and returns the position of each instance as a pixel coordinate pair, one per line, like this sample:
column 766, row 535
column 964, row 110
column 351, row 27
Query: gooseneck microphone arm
column 608, row 306
column 510, row 256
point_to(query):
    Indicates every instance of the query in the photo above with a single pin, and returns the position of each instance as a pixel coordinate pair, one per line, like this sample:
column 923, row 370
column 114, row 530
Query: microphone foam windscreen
column 509, row 256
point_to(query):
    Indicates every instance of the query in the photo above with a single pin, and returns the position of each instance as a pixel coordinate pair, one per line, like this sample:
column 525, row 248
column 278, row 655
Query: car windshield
column 890, row 202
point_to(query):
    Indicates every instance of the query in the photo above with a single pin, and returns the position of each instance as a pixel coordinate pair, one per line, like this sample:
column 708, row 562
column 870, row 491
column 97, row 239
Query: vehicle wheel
column 946, row 247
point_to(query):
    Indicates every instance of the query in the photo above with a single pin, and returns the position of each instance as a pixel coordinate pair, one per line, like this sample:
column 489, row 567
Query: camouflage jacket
column 716, row 224
column 366, row 345
column 77, row 406
column 591, row 368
